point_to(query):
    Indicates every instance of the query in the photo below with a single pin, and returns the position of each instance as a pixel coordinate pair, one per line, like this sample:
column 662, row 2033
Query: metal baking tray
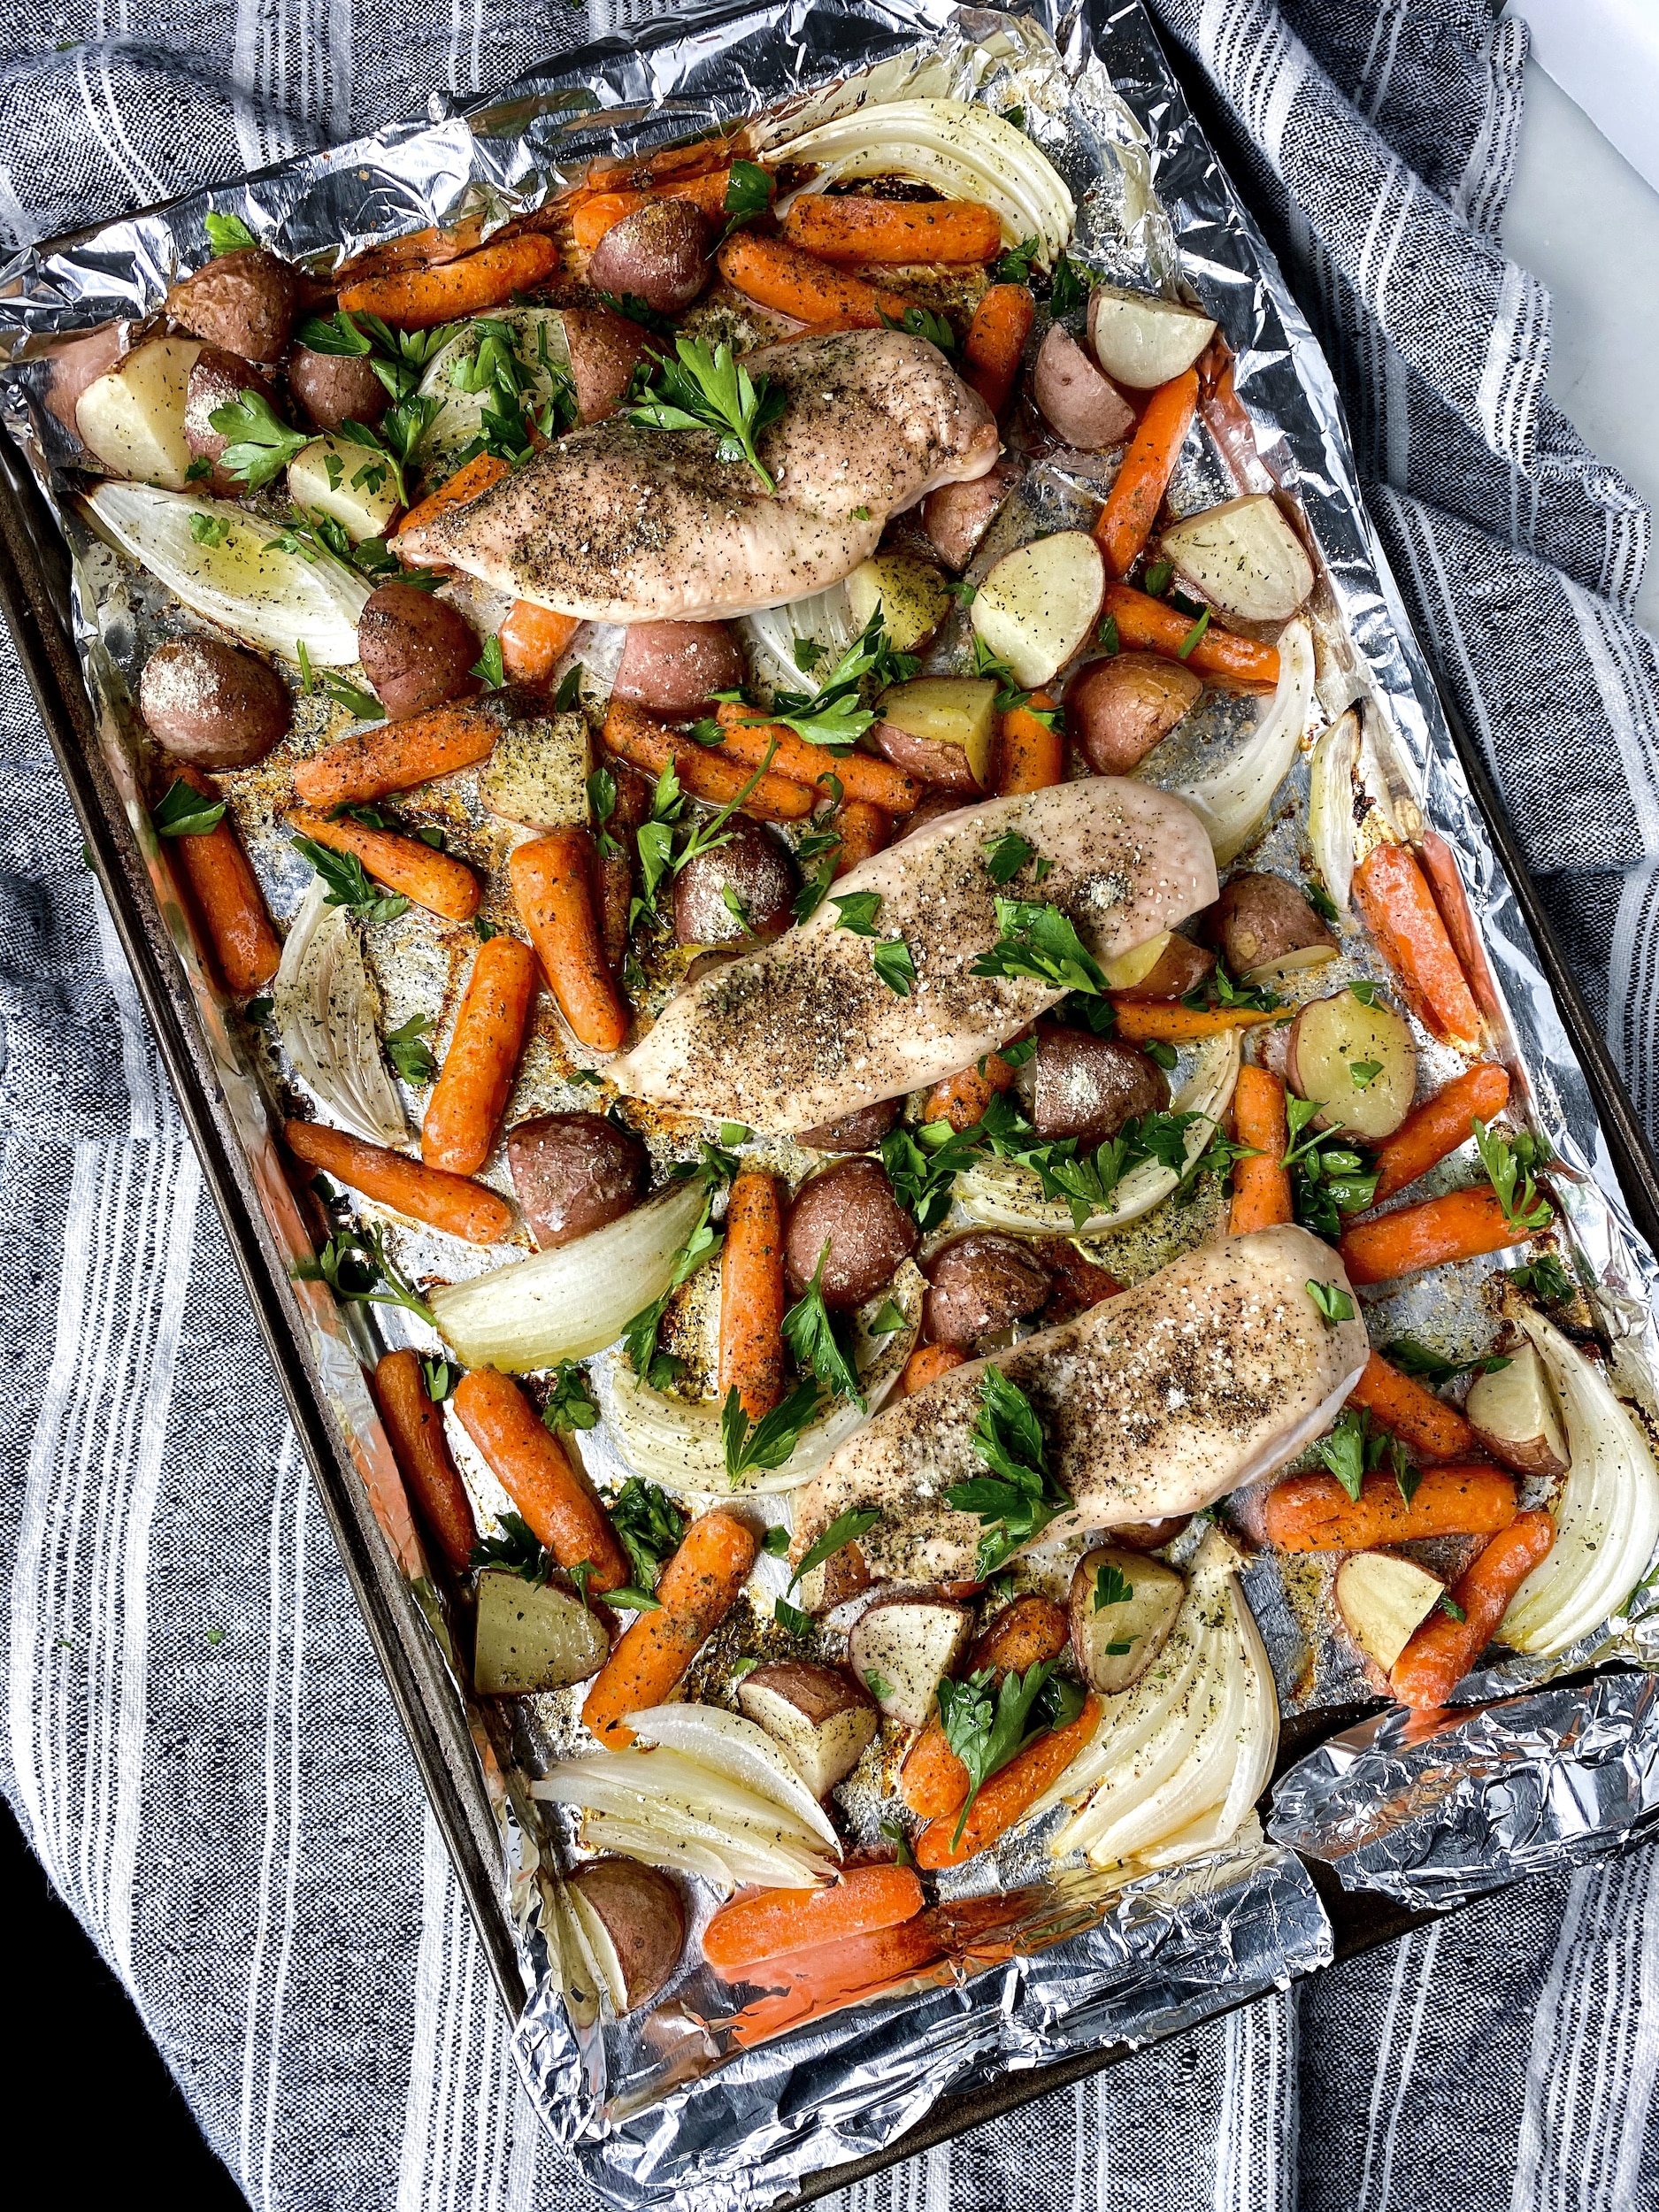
column 452, row 1757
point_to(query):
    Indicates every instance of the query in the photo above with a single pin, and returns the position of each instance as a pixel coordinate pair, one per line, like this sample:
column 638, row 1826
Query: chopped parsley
column 986, row 1722
column 1017, row 1500
column 846, row 1528
column 1510, row 1163
column 818, row 1340
column 407, row 1049
column 1335, row 1306
column 756, row 1446
column 346, row 883
column 186, row 812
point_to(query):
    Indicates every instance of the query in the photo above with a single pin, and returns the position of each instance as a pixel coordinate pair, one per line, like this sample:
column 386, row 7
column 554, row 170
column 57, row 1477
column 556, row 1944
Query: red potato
column 635, row 1924
column 416, row 650
column 980, row 1283
column 861, row 1130
column 759, row 872
column 1088, row 1086
column 1120, row 708
column 218, row 380
column 934, row 802
column 658, row 254
column 958, row 516
column 79, row 363
column 214, row 703
column 334, row 388
column 823, row 1719
column 603, row 349
column 1081, row 403
column 1180, row 967
column 242, row 301
column 901, row 1648
column 573, row 1173
column 946, row 767
column 675, row 668
column 1260, row 919
column 1360, row 1061
column 850, row 1207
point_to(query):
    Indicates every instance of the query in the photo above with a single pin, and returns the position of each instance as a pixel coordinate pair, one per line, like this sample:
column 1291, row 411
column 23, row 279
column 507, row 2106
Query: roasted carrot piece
column 822, row 1980
column 646, row 745
column 1030, row 757
column 995, row 340
column 225, row 895
column 859, row 232
column 1393, row 894
column 433, row 879
column 876, row 781
column 398, row 755
column 449, row 1202
column 1412, row 1413
column 470, row 481
column 752, row 1295
column 932, row 1780
column 415, row 1426
column 1459, row 1226
column 1442, row 1650
column 1008, row 1795
column 754, row 1931
column 776, row 274
column 532, row 641
column 1312, row 1512
column 962, row 1099
column 1145, row 624
column 416, row 299
column 1260, row 1185
column 1432, row 1132
column 552, row 879
column 475, row 1082
column 560, row 1510
column 928, row 1364
column 863, row 829
column 590, row 218
column 695, row 1593
column 614, row 873
column 1140, row 1021
column 1126, row 521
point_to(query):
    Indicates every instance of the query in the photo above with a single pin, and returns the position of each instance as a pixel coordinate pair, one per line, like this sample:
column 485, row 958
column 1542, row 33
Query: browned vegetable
column 1150, row 1535
column 1360, row 1061
column 759, row 872
column 978, row 1284
column 849, row 1208
column 1181, row 967
column 1513, row 1412
column 1115, row 1643
column 1083, row 406
column 603, row 349
column 79, row 363
column 1259, row 918
column 934, row 803
column 858, row 1131
column 1088, row 1086
column 574, row 1172
column 676, row 668
column 820, row 1715
column 639, row 1917
column 336, row 387
column 958, row 516
column 415, row 650
column 1119, row 708
column 214, row 703
column 944, row 766
column 218, row 378
column 660, row 254
column 243, row 301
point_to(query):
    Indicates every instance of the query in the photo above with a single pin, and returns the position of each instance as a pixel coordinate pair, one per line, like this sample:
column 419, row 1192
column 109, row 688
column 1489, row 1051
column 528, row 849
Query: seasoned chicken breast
column 1206, row 1376
column 806, row 1029
column 619, row 524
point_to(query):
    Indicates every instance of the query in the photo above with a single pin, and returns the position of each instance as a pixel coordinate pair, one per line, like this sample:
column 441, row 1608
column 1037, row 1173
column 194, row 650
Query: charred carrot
column 552, row 879
column 398, row 755
column 863, row 829
column 591, row 217
column 446, row 1201
column 431, row 879
column 470, row 1093
column 646, row 745
column 876, row 781
column 532, row 641
column 225, row 895
column 1261, row 1184
column 932, row 1780
column 813, row 1983
column 1030, row 755
column 1131, row 506
column 416, row 299
column 776, row 274
column 926, row 1366
column 962, row 1099
column 1459, row 1226
column 470, row 481
column 1412, row 1413
column 752, row 1295
column 1443, row 1648
column 1008, row 1795
column 1147, row 625
column 1313, row 1512
column 560, row 1510
column 902, row 231
column 1142, row 1020
column 995, row 340
column 695, row 1593
column 753, row 1930
column 1430, row 1132
column 415, row 1426
column 1393, row 894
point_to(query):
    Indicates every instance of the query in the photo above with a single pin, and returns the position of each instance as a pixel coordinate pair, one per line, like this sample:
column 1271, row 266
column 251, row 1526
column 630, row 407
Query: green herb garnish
column 407, row 1049
column 1019, row 1497
column 186, row 812
column 705, row 388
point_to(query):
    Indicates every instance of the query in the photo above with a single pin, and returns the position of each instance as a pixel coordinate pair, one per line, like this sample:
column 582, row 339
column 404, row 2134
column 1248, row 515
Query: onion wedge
column 1232, row 803
column 740, row 1750
column 327, row 1013
column 679, row 1801
column 1348, row 810
column 826, row 618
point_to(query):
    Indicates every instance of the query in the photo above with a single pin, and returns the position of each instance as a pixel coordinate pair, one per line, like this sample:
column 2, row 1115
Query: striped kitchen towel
column 196, row 1739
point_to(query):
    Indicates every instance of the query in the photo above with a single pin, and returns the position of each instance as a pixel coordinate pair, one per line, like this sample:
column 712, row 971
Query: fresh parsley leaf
column 650, row 1527
column 1191, row 640
column 747, row 193
column 571, row 1403
column 1509, row 1163
column 1449, row 1604
column 888, row 1320
column 1323, row 904
column 857, row 912
column 835, row 714
column 878, row 1687
column 1004, row 859
column 922, row 1173
column 986, row 1722
column 439, row 1377
column 569, row 694
column 186, row 812
column 407, row 1049
column 734, row 1132
column 1157, row 580
column 1106, row 635
column 356, row 1267
column 227, row 233
column 1069, row 288
column 1327, row 1178
column 484, row 931
column 209, row 529
column 632, row 309
column 923, row 322
column 1354, row 1447
column 487, row 667
column 1546, row 1278
column 894, row 963
column 792, row 1618
column 1219, row 989
column 861, row 514
column 602, row 805
column 1111, row 1587
column 775, row 1542
column 846, row 1528
column 639, row 1338
column 1019, row 1498
column 752, row 1446
column 1156, row 1050
column 1365, row 1072
column 1365, row 990
column 819, row 1342
column 706, row 836
column 1015, row 265
column 1412, row 1357
column 1039, row 941
column 347, row 883
column 261, row 444
column 516, row 1551
column 705, row 388
column 634, row 1601
column 400, row 430
column 258, row 1010
column 1335, row 1306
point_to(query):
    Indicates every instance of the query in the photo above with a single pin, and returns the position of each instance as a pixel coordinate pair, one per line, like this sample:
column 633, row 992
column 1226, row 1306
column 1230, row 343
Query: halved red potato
column 1038, row 605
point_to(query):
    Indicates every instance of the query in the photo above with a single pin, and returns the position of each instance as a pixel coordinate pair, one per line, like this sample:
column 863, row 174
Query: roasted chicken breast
column 622, row 523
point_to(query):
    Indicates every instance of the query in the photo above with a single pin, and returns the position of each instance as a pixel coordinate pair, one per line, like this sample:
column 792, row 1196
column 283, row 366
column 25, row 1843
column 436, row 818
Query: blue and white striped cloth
column 197, row 1740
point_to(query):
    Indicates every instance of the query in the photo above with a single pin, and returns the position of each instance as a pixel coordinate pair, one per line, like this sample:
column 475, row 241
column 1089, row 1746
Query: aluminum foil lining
column 1108, row 1966
column 1429, row 1807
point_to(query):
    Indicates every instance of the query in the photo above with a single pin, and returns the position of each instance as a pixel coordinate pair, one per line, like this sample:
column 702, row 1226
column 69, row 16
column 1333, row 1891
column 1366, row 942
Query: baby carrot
column 592, row 216
column 470, row 481
column 776, row 274
column 932, row 1780
column 552, row 879
column 1433, row 1130
column 1030, row 757
column 962, row 1099
column 1392, row 894
column 903, row 232
column 823, row 1979
column 863, row 829
column 1432, row 1233
column 1414, row 1414
column 926, row 1365
column 1140, row 1021
column 1008, row 1795
column 647, row 746
column 396, row 756
column 1126, row 521
column 995, row 340
column 752, row 1930
column 1313, row 1512
column 560, row 1510
column 449, row 1202
column 415, row 1426
column 225, row 893
column 614, row 874
column 1442, row 1649
column 1145, row 625
column 431, row 879
column 532, row 641
column 752, row 1295
column 417, row 299
column 470, row 1093
column 695, row 1593
column 1260, row 1185
column 876, row 781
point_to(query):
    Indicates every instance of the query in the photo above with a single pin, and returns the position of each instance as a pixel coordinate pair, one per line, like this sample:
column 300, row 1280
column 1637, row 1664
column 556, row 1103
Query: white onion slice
column 572, row 1300
column 273, row 599
column 1345, row 780
column 740, row 1750
column 327, row 1014
column 826, row 617
column 601, row 1951
column 680, row 1802
column 1005, row 1195
column 1606, row 1515
column 600, row 1834
column 1231, row 802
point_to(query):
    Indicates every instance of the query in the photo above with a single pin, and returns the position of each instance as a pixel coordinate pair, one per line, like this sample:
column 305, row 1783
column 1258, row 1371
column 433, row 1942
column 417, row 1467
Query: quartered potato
column 325, row 475
column 911, row 594
column 1243, row 556
column 903, row 1648
column 1143, row 341
column 634, row 1923
column 950, row 715
column 1122, row 1607
column 132, row 420
column 538, row 774
column 1513, row 1411
column 1038, row 603
column 820, row 1714
column 1383, row 1598
column 531, row 1637
column 1360, row 1061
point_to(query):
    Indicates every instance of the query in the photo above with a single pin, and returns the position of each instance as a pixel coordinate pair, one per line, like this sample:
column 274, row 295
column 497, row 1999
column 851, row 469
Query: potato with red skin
column 1181, row 967
column 675, row 668
column 82, row 361
column 980, row 1283
column 1078, row 401
column 1150, row 1535
column 659, row 254
column 848, row 1207
column 415, row 650
column 958, row 516
column 1259, row 918
column 821, row 1718
column 573, row 1173
column 1120, row 708
column 214, row 703
column 218, row 380
column 861, row 1130
column 935, row 802
column 603, row 348
column 760, row 873
column 336, row 388
column 1088, row 1086
column 641, row 1911
column 930, row 762
column 244, row 302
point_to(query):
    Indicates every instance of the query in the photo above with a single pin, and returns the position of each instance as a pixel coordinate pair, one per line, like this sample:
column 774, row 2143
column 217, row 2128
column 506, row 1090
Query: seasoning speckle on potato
column 244, row 302
column 336, row 387
column 1118, row 709
column 415, row 650
column 850, row 1207
column 1259, row 918
column 1088, row 1086
column 218, row 380
column 676, row 667
column 574, row 1172
column 659, row 254
column 737, row 891
column 603, row 349
column 978, row 1284
column 212, row 704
